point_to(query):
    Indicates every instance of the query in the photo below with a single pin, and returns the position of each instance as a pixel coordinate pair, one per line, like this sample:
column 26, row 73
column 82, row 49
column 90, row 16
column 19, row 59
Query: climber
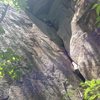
column 77, row 72
column 75, row 66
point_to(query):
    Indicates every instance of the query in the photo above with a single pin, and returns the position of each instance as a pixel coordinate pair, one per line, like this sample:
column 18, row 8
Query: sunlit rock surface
column 51, row 75
column 85, row 41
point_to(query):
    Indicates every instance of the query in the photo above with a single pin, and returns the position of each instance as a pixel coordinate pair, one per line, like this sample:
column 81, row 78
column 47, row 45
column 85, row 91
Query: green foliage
column 9, row 62
column 96, row 6
column 16, row 3
column 91, row 89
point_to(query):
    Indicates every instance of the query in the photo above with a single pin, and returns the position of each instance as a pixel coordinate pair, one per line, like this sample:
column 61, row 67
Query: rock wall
column 73, row 23
column 84, row 45
column 51, row 76
column 41, row 38
column 58, row 16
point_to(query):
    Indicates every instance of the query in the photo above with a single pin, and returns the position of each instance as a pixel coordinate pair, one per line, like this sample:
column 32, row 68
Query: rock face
column 74, row 22
column 41, row 38
column 51, row 76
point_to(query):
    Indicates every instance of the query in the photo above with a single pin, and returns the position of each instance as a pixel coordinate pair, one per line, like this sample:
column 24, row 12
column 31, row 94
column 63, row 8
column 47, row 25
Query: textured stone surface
column 84, row 45
column 50, row 67
column 74, row 24
column 40, row 41
column 58, row 17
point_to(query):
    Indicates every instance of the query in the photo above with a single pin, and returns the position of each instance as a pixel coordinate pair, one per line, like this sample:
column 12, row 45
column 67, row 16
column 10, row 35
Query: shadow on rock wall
column 54, row 19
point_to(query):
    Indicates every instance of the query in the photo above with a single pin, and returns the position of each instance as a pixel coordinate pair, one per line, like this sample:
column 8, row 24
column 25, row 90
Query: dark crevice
column 76, row 71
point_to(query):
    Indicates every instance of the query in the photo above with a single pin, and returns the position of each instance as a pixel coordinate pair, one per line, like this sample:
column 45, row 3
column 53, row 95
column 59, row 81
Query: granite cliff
column 47, row 35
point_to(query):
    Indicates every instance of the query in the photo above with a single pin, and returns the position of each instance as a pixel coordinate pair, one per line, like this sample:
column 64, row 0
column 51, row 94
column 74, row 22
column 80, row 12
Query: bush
column 9, row 62
column 91, row 90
